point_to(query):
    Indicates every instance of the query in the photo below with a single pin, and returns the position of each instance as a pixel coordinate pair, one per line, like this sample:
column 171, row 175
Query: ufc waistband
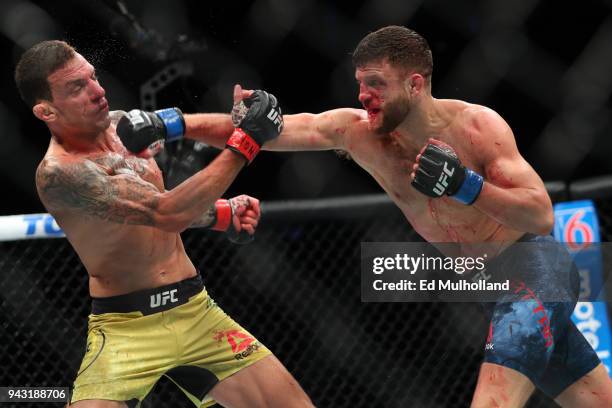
column 150, row 301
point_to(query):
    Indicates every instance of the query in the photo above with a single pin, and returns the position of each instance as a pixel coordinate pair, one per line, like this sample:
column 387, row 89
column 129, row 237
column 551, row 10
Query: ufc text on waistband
column 150, row 301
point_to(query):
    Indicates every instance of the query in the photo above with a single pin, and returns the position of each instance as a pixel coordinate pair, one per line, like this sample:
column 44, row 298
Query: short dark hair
column 36, row 64
column 401, row 46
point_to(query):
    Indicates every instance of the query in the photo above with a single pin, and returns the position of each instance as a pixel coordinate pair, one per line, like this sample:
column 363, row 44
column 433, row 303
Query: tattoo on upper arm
column 86, row 188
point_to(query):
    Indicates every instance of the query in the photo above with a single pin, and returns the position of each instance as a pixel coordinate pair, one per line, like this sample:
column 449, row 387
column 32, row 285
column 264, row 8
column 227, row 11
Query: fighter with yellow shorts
column 151, row 315
column 177, row 331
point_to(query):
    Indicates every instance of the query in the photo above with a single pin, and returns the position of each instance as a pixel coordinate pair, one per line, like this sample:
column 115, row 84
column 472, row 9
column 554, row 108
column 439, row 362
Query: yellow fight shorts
column 176, row 330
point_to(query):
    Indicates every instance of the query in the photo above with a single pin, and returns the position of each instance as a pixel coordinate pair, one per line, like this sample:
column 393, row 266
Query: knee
column 297, row 398
column 301, row 402
column 500, row 386
column 306, row 402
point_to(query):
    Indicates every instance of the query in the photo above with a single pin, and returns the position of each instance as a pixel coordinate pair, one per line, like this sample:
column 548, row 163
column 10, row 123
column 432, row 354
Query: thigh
column 523, row 336
column 570, row 365
column 213, row 347
column 126, row 355
column 231, row 366
column 594, row 390
column 520, row 338
column 500, row 386
column 266, row 383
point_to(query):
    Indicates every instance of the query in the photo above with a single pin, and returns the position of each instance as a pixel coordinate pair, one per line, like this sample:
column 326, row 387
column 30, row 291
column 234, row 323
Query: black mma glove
column 139, row 130
column 440, row 172
column 262, row 121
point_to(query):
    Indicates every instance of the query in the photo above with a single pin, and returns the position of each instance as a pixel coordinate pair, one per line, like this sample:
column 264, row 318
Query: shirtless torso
column 120, row 258
column 389, row 139
column 149, row 306
column 390, row 162
column 485, row 147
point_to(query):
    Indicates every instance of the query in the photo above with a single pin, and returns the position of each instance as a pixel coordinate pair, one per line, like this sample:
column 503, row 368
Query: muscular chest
column 389, row 163
column 116, row 164
column 435, row 219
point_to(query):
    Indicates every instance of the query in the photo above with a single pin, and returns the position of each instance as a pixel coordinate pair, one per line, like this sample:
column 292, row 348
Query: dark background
column 543, row 65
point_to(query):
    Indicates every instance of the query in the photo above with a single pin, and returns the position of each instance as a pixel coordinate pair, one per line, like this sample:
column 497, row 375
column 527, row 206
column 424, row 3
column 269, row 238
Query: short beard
column 393, row 115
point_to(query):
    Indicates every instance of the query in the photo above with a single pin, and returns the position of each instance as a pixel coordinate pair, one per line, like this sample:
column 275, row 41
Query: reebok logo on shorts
column 243, row 345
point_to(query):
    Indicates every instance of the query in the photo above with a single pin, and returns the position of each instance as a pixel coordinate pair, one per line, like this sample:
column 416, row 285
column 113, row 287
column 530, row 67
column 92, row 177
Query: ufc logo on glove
column 442, row 183
column 435, row 177
column 276, row 118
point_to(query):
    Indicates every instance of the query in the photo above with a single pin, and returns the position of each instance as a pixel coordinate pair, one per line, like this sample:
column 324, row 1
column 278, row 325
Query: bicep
column 82, row 188
column 512, row 171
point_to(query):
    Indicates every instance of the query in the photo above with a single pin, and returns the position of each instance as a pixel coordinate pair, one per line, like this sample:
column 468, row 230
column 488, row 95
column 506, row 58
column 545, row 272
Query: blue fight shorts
column 531, row 330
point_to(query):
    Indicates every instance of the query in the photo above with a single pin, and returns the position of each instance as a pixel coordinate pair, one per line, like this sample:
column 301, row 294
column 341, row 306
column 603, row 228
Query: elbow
column 545, row 225
column 171, row 223
column 539, row 226
column 168, row 218
column 545, row 221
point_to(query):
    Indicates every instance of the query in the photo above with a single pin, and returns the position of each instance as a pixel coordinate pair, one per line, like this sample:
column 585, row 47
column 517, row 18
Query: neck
column 422, row 122
column 82, row 142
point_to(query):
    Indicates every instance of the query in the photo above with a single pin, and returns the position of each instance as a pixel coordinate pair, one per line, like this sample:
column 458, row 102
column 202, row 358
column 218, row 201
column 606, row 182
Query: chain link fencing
column 296, row 288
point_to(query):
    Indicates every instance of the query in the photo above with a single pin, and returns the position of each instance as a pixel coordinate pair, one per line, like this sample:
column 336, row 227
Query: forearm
column 304, row 131
column 206, row 219
column 523, row 209
column 211, row 128
column 190, row 201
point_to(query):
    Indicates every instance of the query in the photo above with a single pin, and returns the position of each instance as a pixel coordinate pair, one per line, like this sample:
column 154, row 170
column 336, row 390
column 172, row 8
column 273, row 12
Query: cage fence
column 296, row 288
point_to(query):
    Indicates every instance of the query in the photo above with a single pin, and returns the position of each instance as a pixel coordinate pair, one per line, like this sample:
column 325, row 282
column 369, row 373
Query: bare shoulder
column 480, row 120
column 53, row 166
column 492, row 146
column 348, row 115
column 341, row 122
column 346, row 121
column 58, row 177
column 481, row 127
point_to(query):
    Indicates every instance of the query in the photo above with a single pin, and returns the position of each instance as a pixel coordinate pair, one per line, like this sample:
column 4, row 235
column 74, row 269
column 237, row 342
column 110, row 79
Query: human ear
column 44, row 111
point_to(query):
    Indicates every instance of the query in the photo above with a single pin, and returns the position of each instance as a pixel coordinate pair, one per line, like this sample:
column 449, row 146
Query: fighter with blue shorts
column 531, row 330
column 454, row 170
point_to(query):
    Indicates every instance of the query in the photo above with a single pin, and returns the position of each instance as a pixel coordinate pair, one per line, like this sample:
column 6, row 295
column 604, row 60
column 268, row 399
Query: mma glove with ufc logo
column 440, row 172
column 262, row 121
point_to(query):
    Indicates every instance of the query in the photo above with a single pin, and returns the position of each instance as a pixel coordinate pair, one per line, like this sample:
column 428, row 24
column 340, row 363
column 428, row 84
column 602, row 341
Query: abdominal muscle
column 442, row 221
column 121, row 259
